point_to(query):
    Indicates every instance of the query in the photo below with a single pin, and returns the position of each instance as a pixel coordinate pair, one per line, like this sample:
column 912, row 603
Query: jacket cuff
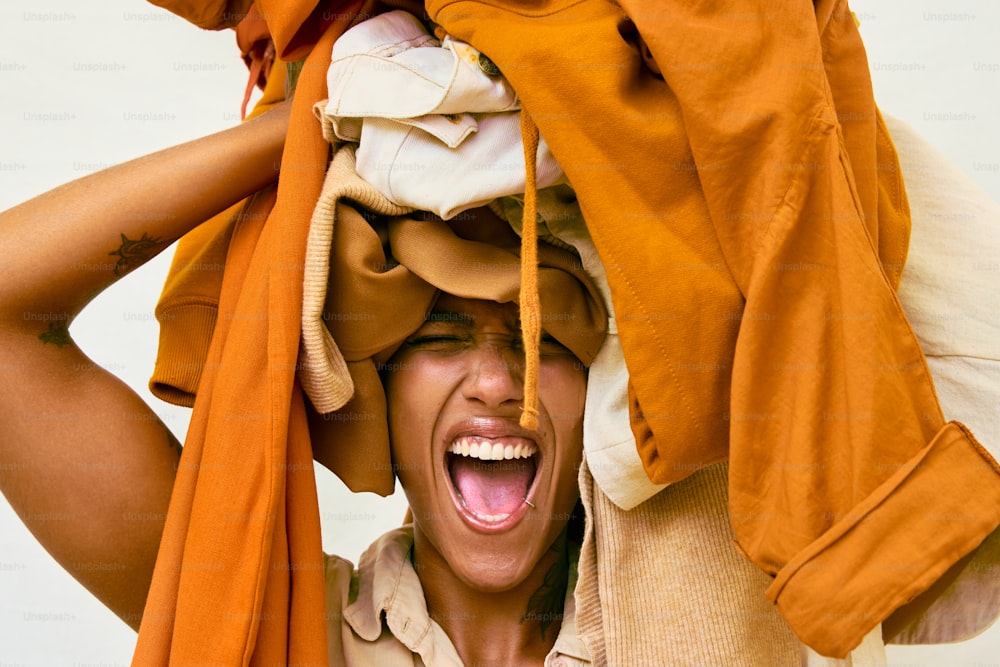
column 185, row 335
column 935, row 509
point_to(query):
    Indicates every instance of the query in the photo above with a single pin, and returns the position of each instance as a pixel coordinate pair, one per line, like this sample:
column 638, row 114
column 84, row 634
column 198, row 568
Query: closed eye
column 551, row 347
column 439, row 342
column 436, row 342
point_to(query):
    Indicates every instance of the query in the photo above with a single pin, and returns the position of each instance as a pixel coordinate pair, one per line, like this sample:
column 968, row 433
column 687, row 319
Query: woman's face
column 455, row 394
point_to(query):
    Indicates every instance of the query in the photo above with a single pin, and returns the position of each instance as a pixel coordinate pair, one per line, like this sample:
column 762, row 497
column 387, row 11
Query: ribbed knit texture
column 739, row 208
column 673, row 556
column 364, row 293
column 323, row 371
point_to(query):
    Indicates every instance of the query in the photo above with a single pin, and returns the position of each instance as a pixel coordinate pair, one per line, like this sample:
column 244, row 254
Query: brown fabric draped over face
column 385, row 274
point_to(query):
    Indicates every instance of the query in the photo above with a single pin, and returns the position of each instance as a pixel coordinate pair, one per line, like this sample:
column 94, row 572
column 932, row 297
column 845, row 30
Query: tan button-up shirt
column 377, row 614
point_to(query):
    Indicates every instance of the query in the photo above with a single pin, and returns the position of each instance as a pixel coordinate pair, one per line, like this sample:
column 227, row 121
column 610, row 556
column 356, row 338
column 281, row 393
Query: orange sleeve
column 189, row 302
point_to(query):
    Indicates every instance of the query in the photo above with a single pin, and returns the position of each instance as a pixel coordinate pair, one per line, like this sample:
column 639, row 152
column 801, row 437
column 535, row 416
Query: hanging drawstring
column 253, row 37
column 261, row 57
column 531, row 309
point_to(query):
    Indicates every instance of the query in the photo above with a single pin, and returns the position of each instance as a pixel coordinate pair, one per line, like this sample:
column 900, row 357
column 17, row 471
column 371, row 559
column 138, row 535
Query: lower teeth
column 492, row 518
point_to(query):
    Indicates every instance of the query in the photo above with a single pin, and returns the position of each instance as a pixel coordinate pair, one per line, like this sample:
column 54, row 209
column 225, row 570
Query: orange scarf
column 239, row 576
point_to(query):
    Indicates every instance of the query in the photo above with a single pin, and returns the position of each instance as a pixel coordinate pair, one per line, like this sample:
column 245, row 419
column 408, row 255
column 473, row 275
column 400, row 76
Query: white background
column 74, row 77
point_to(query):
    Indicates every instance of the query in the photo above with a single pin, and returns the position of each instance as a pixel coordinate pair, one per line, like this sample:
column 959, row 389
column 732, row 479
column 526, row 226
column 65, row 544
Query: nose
column 496, row 375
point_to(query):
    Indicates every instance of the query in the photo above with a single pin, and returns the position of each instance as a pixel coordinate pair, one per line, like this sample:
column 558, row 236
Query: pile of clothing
column 747, row 225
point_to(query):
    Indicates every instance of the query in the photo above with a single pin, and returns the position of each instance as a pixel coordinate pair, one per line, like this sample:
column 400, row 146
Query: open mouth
column 492, row 476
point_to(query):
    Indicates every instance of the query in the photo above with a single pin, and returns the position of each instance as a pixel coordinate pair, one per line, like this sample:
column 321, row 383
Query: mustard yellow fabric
column 370, row 282
column 208, row 14
column 752, row 221
column 239, row 575
column 189, row 303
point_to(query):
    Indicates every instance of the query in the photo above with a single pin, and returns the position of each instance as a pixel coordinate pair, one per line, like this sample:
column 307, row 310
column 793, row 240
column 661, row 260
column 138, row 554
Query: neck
column 521, row 624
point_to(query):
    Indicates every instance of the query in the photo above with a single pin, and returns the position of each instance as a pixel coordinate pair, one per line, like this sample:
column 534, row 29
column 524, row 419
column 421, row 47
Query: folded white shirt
column 437, row 127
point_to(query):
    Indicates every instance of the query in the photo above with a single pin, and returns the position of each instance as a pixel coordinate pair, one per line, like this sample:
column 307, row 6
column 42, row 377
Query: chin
column 498, row 563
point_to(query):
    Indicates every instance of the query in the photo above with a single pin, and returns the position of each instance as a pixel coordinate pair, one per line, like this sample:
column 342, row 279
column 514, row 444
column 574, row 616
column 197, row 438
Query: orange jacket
column 750, row 215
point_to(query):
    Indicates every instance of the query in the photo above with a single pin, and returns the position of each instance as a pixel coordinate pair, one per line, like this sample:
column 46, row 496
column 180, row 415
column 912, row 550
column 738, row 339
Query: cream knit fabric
column 662, row 584
column 323, row 371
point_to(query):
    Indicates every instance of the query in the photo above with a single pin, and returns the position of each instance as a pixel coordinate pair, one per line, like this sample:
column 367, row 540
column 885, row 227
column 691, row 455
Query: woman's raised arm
column 60, row 413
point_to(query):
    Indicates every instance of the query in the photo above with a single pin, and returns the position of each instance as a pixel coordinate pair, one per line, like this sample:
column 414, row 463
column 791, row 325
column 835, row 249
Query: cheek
column 407, row 406
column 415, row 392
column 563, row 390
column 566, row 390
column 404, row 404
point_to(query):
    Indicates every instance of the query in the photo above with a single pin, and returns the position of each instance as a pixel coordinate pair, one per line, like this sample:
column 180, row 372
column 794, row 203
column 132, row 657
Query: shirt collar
column 388, row 585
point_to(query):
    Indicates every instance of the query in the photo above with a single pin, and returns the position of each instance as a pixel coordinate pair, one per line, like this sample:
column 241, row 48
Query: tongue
column 492, row 487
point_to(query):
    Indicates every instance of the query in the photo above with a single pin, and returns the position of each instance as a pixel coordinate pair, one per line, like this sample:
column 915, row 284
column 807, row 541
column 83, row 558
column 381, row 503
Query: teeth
column 486, row 449
column 492, row 518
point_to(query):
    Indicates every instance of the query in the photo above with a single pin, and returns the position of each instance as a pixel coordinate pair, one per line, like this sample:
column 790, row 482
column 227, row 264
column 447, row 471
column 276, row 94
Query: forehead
column 473, row 313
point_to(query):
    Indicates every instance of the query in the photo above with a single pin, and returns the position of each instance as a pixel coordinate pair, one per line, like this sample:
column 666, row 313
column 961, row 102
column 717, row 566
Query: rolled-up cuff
column 938, row 507
column 185, row 335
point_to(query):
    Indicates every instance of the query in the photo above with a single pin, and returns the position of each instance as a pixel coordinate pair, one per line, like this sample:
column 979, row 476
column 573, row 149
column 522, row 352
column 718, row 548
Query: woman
column 491, row 500
column 867, row 20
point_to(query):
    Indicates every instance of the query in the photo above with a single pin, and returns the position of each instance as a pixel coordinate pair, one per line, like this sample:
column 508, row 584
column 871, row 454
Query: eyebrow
column 464, row 319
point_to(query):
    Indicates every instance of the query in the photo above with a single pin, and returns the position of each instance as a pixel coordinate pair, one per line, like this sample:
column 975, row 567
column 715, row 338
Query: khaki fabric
column 751, row 215
column 370, row 282
column 377, row 614
column 690, row 599
column 951, row 298
column 239, row 575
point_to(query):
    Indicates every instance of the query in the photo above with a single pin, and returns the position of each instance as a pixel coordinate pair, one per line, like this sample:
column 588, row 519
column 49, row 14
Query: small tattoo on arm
column 133, row 253
column 58, row 334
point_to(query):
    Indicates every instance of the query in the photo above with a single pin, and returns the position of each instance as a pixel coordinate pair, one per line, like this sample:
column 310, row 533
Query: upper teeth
column 486, row 449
